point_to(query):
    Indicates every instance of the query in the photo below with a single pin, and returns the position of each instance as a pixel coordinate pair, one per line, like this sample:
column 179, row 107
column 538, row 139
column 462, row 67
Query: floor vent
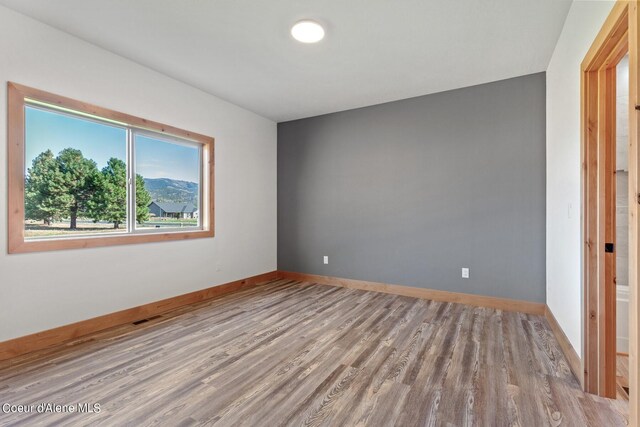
column 141, row 321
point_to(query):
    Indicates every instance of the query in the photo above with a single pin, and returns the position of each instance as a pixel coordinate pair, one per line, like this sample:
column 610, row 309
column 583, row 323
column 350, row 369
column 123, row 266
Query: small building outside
column 173, row 210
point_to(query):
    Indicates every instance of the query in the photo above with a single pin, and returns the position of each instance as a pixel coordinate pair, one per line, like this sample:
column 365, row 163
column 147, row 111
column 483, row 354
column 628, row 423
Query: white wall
column 45, row 290
column 564, row 267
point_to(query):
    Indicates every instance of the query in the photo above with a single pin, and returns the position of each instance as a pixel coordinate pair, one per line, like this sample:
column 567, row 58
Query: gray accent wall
column 409, row 192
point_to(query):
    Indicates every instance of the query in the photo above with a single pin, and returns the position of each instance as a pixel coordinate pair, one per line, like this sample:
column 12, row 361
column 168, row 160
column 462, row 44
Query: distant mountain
column 172, row 190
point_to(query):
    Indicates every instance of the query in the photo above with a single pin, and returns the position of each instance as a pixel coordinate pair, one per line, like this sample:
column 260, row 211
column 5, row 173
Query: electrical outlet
column 325, row 259
column 465, row 273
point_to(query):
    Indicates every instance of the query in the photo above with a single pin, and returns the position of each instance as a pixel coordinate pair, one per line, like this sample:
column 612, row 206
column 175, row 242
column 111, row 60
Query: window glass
column 168, row 193
column 82, row 176
column 75, row 175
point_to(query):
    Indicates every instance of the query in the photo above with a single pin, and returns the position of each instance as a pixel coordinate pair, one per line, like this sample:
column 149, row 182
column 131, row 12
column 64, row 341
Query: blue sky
column 159, row 159
column 99, row 142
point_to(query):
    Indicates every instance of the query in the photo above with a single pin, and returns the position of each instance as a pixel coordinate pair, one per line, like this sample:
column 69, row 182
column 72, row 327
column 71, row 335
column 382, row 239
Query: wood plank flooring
column 290, row 354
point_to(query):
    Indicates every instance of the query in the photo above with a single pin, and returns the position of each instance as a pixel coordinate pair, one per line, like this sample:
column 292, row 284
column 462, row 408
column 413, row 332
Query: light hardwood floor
column 291, row 353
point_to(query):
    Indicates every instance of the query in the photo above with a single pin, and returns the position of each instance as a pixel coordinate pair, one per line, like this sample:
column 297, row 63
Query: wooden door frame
column 618, row 35
column 598, row 159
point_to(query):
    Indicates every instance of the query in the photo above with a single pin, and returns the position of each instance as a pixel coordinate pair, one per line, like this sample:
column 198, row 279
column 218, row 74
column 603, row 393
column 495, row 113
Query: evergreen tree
column 80, row 180
column 70, row 186
column 109, row 202
column 143, row 200
column 46, row 198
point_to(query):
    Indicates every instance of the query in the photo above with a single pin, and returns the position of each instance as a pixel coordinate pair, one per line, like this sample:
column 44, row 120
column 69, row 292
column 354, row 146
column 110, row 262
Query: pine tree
column 143, row 200
column 109, row 202
column 70, row 186
column 46, row 197
column 80, row 181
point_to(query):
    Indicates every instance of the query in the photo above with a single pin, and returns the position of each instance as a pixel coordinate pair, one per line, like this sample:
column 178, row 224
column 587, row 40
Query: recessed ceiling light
column 307, row 31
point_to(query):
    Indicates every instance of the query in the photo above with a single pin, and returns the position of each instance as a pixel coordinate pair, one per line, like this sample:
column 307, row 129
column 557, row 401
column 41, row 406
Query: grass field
column 168, row 222
column 36, row 229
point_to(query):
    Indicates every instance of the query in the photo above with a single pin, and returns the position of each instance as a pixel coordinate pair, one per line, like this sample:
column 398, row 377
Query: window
column 85, row 176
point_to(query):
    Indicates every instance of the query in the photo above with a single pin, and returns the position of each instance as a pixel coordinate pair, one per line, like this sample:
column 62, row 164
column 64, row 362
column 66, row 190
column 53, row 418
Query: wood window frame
column 16, row 98
column 618, row 35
